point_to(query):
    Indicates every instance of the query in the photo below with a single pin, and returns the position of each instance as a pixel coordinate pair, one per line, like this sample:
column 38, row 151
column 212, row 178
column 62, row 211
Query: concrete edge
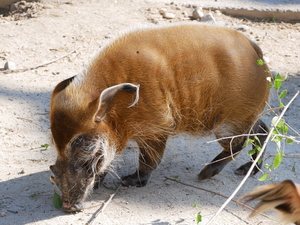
column 286, row 15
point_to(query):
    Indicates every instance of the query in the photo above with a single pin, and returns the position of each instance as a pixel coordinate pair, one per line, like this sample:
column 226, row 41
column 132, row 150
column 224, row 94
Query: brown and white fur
column 283, row 197
column 147, row 85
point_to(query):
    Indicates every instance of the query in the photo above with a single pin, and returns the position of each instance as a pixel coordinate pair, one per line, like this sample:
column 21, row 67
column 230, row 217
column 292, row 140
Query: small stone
column 10, row 65
column 169, row 15
column 208, row 18
column 242, row 28
column 47, row 6
column 108, row 36
column 2, row 214
column 298, row 74
column 218, row 12
column 197, row 14
column 163, row 11
column 185, row 14
column 21, row 172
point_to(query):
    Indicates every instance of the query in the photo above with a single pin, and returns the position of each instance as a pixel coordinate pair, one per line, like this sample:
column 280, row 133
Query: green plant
column 280, row 131
column 198, row 218
column 57, row 201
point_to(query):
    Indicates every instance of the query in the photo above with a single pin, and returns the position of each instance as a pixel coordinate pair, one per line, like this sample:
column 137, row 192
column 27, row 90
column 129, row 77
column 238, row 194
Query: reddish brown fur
column 284, row 197
column 193, row 78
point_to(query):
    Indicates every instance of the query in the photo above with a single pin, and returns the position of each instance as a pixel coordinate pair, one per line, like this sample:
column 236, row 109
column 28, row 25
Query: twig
column 40, row 65
column 256, row 160
column 236, row 136
column 249, row 135
column 101, row 209
column 215, row 193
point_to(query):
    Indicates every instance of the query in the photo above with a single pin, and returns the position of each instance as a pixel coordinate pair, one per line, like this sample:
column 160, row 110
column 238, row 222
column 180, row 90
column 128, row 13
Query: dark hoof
column 208, row 172
column 243, row 170
column 135, row 180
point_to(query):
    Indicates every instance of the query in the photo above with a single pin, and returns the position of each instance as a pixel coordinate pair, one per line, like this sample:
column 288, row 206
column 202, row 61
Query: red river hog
column 150, row 84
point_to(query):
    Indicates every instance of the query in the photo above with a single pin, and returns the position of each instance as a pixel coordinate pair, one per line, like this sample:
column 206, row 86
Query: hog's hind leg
column 151, row 153
column 258, row 128
column 232, row 148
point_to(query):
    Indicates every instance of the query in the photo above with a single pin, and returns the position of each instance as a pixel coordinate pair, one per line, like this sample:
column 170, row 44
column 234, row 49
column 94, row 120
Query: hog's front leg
column 151, row 153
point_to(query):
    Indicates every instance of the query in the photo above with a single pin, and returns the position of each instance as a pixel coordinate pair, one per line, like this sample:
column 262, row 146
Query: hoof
column 135, row 180
column 243, row 170
column 208, row 172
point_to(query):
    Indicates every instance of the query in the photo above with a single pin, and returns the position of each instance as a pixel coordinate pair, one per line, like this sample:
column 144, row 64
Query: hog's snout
column 68, row 207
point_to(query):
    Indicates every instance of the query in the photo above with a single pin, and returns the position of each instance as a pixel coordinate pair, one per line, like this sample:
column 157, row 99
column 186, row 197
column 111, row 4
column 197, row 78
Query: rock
column 22, row 172
column 218, row 12
column 298, row 74
column 108, row 36
column 197, row 14
column 185, row 14
column 2, row 214
column 242, row 28
column 10, row 65
column 169, row 15
column 163, row 11
column 208, row 18
column 47, row 6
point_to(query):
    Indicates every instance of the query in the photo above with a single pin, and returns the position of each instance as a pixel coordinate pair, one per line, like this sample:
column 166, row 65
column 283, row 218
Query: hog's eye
column 52, row 179
column 83, row 143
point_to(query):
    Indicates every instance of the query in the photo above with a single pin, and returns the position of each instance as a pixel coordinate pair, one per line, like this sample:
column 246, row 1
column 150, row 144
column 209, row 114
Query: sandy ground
column 52, row 29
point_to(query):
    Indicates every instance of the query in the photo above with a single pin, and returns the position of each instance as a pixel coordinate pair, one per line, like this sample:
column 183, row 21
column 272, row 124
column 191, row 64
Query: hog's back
column 192, row 78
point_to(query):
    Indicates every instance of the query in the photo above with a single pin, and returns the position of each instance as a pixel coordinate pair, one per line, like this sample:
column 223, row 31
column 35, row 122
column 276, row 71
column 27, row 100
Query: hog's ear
column 107, row 96
column 62, row 85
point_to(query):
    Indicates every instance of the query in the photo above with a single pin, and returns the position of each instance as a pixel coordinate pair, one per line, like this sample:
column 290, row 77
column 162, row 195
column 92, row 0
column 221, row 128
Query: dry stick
column 215, row 193
column 249, row 135
column 101, row 209
column 255, row 161
column 40, row 65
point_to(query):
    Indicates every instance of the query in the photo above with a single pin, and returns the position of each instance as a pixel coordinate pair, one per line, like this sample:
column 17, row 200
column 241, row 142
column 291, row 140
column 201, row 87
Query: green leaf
column 260, row 62
column 277, row 82
column 57, row 201
column 293, row 168
column 282, row 94
column 281, row 104
column 270, row 85
column 264, row 176
column 274, row 120
column 277, row 160
column 258, row 148
column 247, row 142
column 284, row 77
column 259, row 161
column 198, row 217
column 289, row 140
column 268, row 166
column 195, row 205
column 252, row 152
column 45, row 146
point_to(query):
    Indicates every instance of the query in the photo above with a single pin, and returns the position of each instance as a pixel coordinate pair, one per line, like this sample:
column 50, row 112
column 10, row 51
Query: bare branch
column 101, row 209
column 37, row 66
column 216, row 193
